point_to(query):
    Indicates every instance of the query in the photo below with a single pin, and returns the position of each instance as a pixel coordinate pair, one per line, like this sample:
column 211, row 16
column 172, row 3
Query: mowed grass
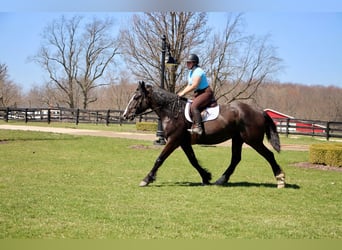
column 55, row 186
column 92, row 126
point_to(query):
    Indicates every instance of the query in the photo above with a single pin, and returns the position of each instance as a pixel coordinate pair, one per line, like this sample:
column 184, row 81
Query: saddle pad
column 207, row 115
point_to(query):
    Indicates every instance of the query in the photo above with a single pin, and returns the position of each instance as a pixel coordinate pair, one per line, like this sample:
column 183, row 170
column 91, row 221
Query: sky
column 307, row 35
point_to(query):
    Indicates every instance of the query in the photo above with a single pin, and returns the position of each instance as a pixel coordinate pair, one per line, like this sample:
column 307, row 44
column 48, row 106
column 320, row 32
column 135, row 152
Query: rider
column 203, row 95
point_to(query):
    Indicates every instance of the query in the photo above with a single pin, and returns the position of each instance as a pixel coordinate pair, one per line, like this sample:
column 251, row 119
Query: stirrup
column 196, row 130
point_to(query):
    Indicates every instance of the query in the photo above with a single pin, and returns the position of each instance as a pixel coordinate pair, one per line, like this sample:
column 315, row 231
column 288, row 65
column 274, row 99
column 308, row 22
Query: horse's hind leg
column 235, row 159
column 188, row 150
column 269, row 156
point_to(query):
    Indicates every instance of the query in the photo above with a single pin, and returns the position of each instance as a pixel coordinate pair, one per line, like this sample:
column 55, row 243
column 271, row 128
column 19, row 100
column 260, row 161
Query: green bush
column 327, row 154
column 146, row 126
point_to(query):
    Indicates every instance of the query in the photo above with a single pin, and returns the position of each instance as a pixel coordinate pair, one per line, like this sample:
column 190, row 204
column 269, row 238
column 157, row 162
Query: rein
column 158, row 100
column 146, row 112
column 174, row 104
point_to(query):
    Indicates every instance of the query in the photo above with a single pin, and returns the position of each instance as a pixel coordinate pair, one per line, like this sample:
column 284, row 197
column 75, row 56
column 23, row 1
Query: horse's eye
column 137, row 96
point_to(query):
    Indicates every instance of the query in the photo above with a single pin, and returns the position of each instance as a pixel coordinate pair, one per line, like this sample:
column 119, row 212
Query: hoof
column 280, row 180
column 143, row 184
column 221, row 181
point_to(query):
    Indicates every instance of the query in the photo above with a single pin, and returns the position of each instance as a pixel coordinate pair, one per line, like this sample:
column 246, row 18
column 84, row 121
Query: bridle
column 139, row 103
column 174, row 104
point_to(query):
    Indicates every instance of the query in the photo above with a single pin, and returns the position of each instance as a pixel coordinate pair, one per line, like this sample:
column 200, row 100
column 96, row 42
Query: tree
column 141, row 42
column 76, row 56
column 9, row 92
column 45, row 96
column 238, row 64
column 306, row 102
column 116, row 94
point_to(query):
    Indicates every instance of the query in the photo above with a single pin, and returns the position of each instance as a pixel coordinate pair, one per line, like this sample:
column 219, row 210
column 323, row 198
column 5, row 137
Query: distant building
column 294, row 125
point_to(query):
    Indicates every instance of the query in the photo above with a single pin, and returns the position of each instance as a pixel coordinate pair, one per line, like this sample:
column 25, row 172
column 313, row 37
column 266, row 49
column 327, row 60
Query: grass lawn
column 55, row 186
column 91, row 126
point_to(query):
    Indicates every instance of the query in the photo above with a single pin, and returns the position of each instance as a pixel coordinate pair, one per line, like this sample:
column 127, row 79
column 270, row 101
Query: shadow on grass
column 253, row 184
column 229, row 184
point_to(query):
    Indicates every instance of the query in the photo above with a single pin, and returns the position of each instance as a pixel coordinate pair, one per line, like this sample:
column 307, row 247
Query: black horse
column 237, row 121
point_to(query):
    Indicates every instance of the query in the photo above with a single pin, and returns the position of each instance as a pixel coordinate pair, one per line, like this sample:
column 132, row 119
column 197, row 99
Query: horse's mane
column 167, row 100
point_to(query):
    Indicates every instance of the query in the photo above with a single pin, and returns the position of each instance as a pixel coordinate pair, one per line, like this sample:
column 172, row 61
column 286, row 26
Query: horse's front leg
column 188, row 150
column 151, row 176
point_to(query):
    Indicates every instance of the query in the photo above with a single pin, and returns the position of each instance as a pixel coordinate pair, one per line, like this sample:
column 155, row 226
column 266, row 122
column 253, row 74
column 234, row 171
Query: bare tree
column 301, row 101
column 141, row 42
column 100, row 49
column 335, row 110
column 34, row 97
column 45, row 96
column 76, row 56
column 237, row 63
column 116, row 95
column 9, row 92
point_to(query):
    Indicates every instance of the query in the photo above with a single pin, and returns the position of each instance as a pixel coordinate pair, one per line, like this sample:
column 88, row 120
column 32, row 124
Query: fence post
column 107, row 117
column 287, row 127
column 120, row 118
column 7, row 114
column 327, row 131
column 49, row 116
column 26, row 118
column 77, row 116
column 97, row 117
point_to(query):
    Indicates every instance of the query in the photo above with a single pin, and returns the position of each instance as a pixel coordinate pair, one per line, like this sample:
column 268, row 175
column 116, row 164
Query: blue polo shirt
column 198, row 72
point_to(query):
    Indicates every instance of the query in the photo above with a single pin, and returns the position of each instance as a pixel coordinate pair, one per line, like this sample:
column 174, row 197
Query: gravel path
column 113, row 134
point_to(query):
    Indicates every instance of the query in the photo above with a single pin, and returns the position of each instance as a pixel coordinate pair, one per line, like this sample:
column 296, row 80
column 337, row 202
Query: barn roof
column 277, row 114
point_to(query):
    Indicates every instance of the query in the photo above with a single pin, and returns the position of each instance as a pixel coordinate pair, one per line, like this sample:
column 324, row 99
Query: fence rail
column 327, row 129
column 69, row 115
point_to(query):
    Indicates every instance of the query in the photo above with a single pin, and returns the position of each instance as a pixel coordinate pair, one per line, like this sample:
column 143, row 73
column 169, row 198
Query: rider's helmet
column 193, row 58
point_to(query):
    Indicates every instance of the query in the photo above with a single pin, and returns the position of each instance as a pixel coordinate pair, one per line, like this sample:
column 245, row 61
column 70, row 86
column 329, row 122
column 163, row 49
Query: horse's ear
column 142, row 86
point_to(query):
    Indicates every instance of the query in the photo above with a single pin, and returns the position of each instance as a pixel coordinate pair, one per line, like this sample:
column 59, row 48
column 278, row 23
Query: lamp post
column 169, row 62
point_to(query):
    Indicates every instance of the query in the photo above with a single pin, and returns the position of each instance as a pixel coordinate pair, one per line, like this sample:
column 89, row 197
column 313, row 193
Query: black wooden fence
column 326, row 129
column 69, row 115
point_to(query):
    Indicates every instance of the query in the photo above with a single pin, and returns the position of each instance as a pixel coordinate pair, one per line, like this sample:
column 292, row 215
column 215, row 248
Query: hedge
column 146, row 126
column 326, row 154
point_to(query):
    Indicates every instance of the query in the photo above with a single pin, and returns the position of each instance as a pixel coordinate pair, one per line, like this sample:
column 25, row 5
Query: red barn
column 294, row 124
column 280, row 120
column 277, row 115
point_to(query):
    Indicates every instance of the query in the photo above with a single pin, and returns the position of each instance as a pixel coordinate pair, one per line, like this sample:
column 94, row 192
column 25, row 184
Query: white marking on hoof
column 280, row 180
column 143, row 184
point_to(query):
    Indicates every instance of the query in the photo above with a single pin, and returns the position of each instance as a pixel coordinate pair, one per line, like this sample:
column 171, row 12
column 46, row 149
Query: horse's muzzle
column 128, row 116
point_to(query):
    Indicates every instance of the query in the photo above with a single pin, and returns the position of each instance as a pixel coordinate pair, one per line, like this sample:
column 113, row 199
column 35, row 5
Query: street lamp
column 169, row 61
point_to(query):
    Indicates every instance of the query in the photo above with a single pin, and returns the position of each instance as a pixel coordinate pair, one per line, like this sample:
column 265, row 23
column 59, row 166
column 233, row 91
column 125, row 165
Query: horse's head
column 138, row 103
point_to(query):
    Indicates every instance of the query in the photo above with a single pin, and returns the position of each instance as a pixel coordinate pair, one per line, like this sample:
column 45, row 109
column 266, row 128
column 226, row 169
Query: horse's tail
column 271, row 132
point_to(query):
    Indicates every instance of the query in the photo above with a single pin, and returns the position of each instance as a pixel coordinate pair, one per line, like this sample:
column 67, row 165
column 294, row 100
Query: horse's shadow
column 229, row 184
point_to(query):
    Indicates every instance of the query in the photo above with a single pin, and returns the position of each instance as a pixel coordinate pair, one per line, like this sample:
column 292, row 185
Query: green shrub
column 327, row 154
column 146, row 126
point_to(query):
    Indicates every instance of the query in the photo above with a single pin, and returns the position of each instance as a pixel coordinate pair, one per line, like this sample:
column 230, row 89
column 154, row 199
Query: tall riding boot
column 198, row 123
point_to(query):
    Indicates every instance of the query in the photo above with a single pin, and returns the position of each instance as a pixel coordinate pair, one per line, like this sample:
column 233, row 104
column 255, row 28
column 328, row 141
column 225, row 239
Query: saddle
column 208, row 114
